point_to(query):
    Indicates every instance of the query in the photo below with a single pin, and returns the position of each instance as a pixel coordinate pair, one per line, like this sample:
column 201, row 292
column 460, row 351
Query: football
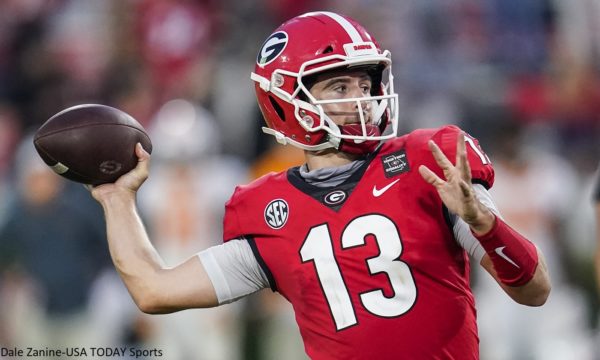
column 91, row 144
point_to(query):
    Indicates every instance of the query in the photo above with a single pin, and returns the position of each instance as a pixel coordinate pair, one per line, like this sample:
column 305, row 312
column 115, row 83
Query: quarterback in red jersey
column 374, row 254
column 370, row 240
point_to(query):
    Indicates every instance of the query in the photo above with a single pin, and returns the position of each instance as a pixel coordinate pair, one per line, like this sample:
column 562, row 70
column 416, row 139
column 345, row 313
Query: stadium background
column 523, row 77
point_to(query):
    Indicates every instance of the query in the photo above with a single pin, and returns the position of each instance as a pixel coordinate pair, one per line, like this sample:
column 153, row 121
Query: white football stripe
column 350, row 29
column 59, row 168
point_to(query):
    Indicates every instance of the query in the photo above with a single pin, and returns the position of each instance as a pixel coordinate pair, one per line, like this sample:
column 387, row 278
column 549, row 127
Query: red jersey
column 370, row 266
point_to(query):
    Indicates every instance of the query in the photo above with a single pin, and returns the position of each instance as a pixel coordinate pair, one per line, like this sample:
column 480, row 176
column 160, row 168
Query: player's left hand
column 457, row 191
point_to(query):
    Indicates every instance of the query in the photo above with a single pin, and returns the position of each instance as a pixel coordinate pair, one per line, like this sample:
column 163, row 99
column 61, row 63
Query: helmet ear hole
column 278, row 108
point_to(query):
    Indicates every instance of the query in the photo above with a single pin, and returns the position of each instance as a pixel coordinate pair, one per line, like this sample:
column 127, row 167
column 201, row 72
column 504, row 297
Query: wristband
column 514, row 257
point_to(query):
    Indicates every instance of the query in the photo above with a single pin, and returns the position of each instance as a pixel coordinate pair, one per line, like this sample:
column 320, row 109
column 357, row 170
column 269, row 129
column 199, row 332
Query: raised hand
column 457, row 191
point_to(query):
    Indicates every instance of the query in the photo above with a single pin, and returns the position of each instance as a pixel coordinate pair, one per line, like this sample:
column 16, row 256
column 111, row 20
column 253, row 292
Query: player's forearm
column 133, row 255
column 516, row 263
column 535, row 292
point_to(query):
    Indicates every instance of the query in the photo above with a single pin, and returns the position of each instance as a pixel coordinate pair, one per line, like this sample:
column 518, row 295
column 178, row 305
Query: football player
column 370, row 240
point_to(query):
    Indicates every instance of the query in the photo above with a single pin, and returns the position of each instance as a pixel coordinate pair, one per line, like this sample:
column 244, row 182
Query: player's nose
column 364, row 107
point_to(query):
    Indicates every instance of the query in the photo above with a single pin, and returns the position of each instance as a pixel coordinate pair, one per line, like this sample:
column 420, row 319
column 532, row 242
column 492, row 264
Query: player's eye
column 341, row 89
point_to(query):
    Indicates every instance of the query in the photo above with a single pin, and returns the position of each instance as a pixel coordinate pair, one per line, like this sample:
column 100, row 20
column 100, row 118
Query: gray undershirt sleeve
column 461, row 229
column 233, row 270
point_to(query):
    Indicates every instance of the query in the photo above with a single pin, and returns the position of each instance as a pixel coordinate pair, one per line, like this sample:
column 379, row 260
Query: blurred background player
column 184, row 205
column 52, row 252
column 523, row 332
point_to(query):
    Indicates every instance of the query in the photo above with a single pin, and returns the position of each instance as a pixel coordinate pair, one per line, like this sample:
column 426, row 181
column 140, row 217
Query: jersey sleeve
column 482, row 171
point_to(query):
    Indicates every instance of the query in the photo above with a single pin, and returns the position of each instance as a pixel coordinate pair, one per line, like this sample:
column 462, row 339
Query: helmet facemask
column 382, row 104
column 374, row 112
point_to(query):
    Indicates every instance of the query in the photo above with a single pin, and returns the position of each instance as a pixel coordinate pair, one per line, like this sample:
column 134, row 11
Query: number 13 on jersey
column 318, row 248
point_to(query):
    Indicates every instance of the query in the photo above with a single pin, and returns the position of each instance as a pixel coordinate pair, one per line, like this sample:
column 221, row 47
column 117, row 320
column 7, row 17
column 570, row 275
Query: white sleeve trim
column 461, row 229
column 233, row 270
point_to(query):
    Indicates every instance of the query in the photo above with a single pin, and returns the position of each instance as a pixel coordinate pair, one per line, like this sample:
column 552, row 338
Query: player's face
column 344, row 85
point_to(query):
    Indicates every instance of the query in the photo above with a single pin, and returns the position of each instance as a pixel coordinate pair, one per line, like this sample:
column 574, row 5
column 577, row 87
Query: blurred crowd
column 521, row 76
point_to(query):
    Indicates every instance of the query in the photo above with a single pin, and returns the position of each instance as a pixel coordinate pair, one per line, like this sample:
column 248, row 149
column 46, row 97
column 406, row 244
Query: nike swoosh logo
column 379, row 192
column 500, row 252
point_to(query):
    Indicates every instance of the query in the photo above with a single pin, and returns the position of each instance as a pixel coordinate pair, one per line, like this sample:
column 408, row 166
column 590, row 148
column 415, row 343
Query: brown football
column 91, row 144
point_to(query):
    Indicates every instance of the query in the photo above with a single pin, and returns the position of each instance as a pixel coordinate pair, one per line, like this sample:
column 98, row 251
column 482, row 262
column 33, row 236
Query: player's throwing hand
column 130, row 182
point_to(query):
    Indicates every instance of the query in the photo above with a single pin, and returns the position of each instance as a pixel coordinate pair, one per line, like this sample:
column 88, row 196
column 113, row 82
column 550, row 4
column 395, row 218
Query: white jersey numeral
column 484, row 159
column 318, row 248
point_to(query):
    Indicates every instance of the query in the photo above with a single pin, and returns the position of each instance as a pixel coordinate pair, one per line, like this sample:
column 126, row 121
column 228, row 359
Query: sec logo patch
column 277, row 213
